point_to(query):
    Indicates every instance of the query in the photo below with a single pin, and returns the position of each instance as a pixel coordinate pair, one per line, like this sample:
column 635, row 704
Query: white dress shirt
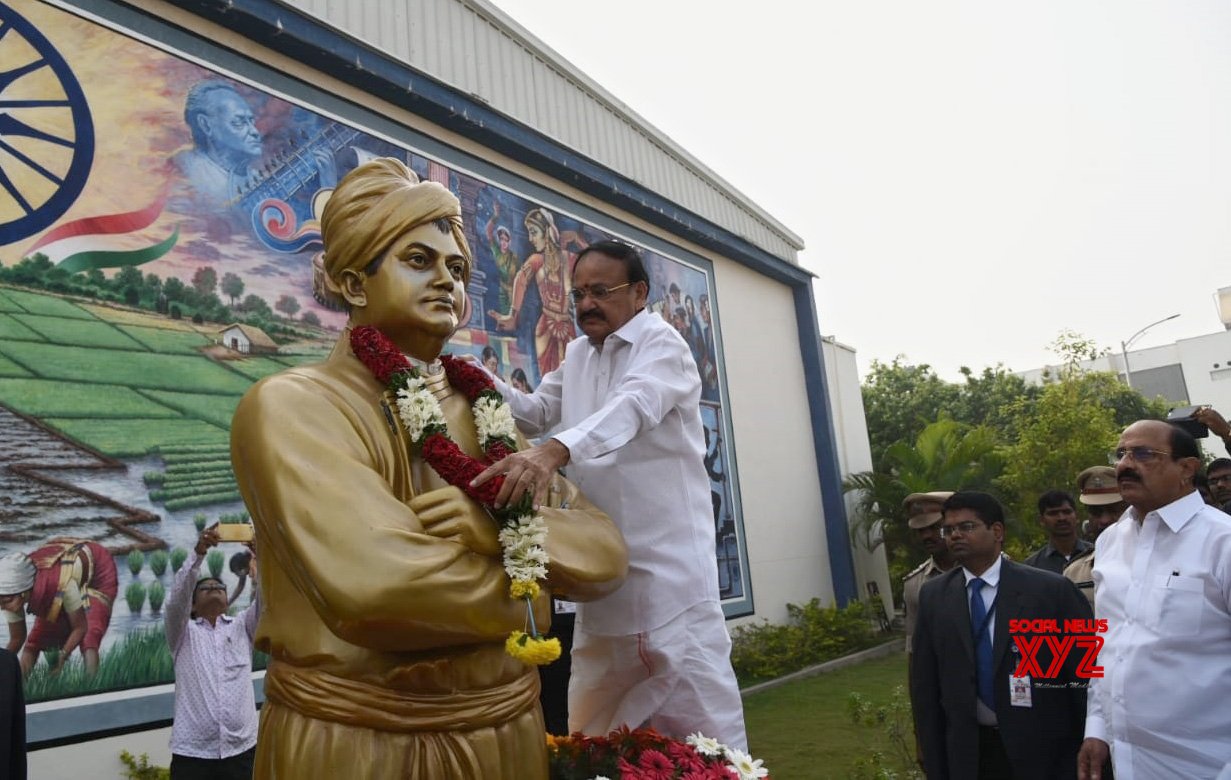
column 1164, row 587
column 991, row 586
column 215, row 707
column 630, row 417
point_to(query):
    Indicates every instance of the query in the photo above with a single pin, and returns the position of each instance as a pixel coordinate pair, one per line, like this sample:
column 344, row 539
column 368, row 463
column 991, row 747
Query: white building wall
column 854, row 456
column 783, row 519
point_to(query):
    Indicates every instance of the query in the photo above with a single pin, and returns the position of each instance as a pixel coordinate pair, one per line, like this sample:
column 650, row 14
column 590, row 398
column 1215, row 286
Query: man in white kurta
column 1162, row 579
column 624, row 417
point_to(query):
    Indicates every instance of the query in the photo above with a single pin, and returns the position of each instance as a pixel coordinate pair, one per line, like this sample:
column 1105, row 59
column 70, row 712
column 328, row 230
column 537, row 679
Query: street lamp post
column 1124, row 345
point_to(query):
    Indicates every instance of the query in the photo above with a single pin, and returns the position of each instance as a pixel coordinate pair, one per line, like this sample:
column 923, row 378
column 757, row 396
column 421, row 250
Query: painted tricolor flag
column 105, row 241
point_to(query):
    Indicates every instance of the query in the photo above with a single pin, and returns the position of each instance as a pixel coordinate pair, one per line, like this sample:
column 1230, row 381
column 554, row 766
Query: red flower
column 457, row 468
column 378, row 353
column 656, row 765
column 685, row 756
column 469, row 380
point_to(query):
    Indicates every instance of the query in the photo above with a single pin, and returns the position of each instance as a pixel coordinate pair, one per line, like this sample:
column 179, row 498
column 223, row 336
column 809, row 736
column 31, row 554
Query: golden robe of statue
column 386, row 633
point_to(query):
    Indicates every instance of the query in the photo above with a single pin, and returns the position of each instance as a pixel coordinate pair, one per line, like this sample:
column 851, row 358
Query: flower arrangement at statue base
column 644, row 754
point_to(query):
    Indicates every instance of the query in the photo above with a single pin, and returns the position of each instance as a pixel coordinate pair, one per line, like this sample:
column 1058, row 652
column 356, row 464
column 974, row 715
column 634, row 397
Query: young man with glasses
column 626, row 418
column 974, row 718
column 1163, row 582
column 213, row 736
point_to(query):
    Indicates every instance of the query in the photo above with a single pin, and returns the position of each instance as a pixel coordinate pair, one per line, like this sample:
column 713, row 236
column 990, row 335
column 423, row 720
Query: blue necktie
column 983, row 643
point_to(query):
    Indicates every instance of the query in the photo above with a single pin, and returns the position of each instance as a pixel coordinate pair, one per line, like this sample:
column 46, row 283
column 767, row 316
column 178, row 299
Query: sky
column 969, row 178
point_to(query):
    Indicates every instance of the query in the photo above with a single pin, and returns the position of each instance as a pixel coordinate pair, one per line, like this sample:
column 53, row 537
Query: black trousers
column 236, row 767
column 553, row 696
column 993, row 760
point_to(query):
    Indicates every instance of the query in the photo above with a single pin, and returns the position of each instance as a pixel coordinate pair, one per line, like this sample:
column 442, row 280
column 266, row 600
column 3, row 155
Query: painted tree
column 288, row 305
column 232, row 286
column 205, row 280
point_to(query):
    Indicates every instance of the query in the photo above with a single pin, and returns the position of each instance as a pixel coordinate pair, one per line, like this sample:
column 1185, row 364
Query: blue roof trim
column 824, row 439
column 304, row 38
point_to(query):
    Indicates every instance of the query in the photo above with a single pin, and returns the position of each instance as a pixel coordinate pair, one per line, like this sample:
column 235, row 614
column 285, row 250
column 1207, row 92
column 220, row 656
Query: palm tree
column 946, row 455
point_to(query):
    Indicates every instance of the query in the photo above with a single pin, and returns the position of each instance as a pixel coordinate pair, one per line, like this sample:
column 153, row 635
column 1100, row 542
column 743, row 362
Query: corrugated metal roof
column 520, row 76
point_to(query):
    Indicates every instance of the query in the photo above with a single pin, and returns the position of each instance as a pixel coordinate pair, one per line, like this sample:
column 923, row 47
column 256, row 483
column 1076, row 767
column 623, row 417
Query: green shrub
column 153, row 478
column 136, row 559
column 158, row 562
column 158, row 594
column 891, row 742
column 215, row 560
column 199, row 520
column 813, row 634
column 178, row 556
column 141, row 769
column 134, row 594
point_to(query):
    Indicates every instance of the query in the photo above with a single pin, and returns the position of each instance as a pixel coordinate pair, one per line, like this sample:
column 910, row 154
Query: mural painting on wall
column 159, row 252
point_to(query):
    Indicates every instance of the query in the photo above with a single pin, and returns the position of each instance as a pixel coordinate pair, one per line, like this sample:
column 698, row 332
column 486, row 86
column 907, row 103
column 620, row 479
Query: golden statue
column 387, row 603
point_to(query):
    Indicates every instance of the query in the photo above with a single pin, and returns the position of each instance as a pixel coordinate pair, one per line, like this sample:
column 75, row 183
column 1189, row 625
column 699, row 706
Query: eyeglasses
column 966, row 526
column 599, row 292
column 1139, row 454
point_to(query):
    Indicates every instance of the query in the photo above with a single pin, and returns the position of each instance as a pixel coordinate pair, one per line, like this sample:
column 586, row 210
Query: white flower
column 493, row 419
column 418, row 409
column 522, row 542
column 748, row 768
column 706, row 746
column 601, row 777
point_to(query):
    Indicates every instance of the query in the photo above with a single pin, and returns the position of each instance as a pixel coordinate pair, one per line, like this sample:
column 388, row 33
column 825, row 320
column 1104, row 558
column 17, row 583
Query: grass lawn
column 803, row 730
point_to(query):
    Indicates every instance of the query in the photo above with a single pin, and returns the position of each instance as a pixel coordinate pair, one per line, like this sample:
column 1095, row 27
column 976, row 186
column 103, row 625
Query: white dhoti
column 676, row 679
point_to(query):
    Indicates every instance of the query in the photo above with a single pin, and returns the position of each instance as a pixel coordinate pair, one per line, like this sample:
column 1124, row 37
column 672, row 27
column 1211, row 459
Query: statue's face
column 231, row 127
column 419, row 286
column 536, row 237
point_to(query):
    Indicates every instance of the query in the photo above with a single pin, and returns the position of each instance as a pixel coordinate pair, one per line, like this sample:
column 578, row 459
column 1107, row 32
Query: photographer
column 214, row 733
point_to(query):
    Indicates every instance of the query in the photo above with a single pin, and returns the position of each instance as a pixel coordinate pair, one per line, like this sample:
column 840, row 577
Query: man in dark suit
column 12, row 719
column 974, row 719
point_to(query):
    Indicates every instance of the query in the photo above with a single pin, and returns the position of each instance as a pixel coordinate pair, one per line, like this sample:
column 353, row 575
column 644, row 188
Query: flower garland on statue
column 522, row 531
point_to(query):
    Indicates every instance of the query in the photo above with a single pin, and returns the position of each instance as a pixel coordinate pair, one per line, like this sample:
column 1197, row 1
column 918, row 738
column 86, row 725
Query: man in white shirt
column 626, row 425
column 213, row 736
column 1162, row 579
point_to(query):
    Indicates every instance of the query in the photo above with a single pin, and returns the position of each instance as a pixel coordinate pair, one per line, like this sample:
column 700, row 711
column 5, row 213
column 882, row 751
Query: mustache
column 1127, row 474
column 594, row 314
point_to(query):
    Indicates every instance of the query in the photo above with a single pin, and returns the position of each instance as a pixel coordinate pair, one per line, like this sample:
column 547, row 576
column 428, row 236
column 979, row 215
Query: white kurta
column 631, row 419
column 657, row 650
column 1164, row 588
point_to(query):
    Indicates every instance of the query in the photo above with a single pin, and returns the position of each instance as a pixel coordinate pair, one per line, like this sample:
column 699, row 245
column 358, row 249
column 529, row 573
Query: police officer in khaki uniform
column 1100, row 494
column 923, row 516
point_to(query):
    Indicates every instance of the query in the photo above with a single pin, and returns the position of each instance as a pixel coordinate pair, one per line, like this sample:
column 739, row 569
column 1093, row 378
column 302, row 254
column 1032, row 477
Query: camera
column 1183, row 417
